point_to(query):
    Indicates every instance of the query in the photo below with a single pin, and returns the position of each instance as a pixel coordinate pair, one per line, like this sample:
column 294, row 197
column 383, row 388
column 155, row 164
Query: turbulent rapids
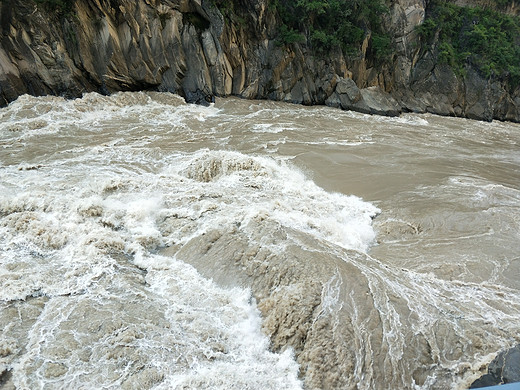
column 147, row 243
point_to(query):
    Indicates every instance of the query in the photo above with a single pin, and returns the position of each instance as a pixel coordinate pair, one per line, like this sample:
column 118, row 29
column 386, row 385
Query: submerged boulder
column 350, row 325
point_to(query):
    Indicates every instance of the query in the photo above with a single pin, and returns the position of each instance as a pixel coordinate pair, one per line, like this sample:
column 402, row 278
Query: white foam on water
column 267, row 128
column 236, row 352
column 406, row 119
column 78, row 242
column 80, row 232
column 81, row 226
column 340, row 142
column 263, row 186
column 121, row 113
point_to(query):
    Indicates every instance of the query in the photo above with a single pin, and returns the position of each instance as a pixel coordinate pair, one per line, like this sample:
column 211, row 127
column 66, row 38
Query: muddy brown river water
column 148, row 243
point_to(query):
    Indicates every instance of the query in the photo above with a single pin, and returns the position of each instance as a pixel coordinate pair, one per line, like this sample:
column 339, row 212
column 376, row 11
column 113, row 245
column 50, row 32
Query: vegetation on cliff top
column 487, row 39
column 331, row 24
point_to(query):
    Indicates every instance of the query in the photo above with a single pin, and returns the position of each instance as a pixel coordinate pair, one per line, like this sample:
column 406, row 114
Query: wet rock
column 349, row 88
column 380, row 102
column 372, row 100
column 199, row 97
column 6, row 382
column 505, row 368
column 477, row 100
column 435, row 89
column 188, row 47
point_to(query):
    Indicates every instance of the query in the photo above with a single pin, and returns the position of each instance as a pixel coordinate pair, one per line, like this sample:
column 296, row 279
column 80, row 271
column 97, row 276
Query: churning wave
column 139, row 250
column 79, row 247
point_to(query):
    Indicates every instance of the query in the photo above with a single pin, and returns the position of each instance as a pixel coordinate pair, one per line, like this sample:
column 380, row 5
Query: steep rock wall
column 189, row 47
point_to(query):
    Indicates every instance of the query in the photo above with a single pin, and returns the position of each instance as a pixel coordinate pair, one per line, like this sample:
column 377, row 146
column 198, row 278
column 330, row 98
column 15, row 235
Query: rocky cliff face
column 191, row 48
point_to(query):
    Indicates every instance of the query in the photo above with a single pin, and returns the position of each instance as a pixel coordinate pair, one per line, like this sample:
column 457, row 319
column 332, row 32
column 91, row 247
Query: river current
column 148, row 243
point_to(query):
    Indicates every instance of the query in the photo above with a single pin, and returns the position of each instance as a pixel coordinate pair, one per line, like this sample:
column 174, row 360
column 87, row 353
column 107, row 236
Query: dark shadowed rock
column 435, row 88
column 199, row 97
column 188, row 47
column 6, row 380
column 505, row 368
column 477, row 97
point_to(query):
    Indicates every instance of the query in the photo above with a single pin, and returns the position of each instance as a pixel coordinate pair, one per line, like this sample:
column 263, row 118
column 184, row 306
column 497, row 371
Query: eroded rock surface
column 189, row 47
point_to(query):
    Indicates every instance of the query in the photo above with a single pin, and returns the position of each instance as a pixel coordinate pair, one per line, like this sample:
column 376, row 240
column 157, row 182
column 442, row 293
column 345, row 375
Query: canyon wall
column 192, row 48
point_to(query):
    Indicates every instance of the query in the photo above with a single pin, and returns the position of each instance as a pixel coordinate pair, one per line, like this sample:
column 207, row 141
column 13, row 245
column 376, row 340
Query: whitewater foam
column 105, row 200
column 80, row 231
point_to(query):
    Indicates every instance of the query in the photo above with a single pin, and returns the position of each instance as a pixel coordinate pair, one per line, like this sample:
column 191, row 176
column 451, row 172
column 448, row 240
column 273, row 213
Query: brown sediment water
column 149, row 243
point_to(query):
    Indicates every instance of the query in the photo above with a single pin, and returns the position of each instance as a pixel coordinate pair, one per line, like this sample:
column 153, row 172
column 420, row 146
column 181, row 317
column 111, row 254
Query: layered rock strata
column 189, row 47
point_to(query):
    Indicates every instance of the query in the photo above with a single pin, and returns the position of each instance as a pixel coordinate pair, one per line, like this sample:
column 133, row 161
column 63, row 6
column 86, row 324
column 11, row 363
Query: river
column 148, row 243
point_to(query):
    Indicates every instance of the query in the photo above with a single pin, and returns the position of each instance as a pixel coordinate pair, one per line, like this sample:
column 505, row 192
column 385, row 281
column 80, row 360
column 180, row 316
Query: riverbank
column 191, row 48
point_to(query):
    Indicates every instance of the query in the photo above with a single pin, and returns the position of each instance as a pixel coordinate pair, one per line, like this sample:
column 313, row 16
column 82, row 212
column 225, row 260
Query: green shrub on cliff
column 487, row 39
column 330, row 24
column 288, row 35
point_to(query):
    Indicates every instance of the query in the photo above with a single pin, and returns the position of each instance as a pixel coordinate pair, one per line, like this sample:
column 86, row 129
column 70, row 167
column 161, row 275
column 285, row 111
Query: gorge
column 195, row 49
column 247, row 241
